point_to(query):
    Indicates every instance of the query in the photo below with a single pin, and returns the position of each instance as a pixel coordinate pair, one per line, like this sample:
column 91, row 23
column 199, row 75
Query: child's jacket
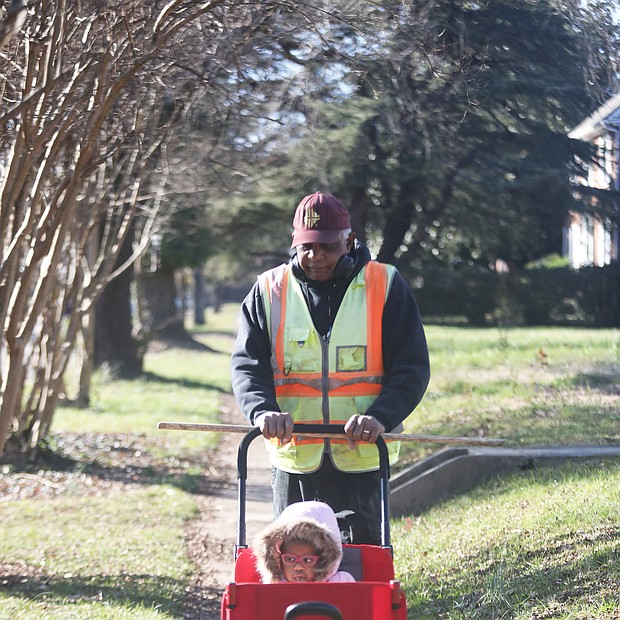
column 310, row 522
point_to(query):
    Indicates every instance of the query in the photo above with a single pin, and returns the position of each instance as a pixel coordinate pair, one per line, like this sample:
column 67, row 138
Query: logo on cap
column 311, row 218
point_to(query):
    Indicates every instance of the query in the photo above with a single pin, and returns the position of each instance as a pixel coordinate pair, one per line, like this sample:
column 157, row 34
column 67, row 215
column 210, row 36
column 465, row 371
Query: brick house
column 588, row 240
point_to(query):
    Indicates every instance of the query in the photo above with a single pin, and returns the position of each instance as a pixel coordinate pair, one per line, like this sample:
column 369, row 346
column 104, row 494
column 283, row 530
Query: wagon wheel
column 312, row 608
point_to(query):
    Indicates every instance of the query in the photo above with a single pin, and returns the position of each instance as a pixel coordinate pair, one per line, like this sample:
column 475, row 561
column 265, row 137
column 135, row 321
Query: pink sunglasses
column 290, row 559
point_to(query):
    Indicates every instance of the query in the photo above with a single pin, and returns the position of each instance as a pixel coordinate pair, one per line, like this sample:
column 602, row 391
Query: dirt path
column 211, row 538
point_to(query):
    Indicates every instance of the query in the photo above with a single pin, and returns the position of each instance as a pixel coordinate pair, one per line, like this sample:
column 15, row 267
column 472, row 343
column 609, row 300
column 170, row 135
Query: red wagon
column 375, row 595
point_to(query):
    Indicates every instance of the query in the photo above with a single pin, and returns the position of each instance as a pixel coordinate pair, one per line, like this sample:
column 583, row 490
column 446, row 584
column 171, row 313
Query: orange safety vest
column 326, row 380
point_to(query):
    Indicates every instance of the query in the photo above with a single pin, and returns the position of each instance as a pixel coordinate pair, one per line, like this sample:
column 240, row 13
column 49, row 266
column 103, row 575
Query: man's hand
column 276, row 424
column 363, row 428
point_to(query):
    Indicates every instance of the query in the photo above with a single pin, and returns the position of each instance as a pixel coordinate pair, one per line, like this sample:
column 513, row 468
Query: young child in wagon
column 302, row 544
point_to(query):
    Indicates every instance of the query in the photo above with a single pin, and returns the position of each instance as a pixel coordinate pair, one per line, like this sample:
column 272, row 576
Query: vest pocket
column 303, row 351
column 350, row 358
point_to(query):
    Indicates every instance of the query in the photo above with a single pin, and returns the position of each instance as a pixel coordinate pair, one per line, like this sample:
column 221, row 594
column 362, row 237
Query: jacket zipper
column 325, row 376
column 325, row 385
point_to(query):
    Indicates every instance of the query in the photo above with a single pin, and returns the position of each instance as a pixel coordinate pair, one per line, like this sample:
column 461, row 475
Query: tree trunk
column 160, row 311
column 13, row 390
column 200, row 297
column 87, row 362
column 115, row 345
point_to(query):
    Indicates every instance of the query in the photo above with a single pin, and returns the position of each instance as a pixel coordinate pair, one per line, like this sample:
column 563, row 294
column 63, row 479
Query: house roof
column 594, row 126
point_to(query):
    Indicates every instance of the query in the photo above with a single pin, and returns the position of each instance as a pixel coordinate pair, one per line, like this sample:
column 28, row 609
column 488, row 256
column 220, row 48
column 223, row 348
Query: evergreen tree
column 444, row 124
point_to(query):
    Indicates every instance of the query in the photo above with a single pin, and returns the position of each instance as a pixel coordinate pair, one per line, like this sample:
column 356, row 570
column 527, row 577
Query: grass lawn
column 98, row 557
column 537, row 544
column 531, row 386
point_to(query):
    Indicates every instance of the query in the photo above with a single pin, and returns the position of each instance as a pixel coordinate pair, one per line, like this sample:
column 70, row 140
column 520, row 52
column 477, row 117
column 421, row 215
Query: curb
column 453, row 471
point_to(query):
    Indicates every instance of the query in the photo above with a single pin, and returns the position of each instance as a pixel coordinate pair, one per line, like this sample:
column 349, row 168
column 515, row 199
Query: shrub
column 599, row 294
column 543, row 295
column 444, row 293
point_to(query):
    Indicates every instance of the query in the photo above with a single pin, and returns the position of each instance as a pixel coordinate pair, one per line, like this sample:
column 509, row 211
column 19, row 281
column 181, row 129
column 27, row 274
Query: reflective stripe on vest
column 326, row 380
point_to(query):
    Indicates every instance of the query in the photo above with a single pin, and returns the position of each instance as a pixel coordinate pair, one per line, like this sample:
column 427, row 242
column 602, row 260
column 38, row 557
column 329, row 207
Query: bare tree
column 82, row 165
column 13, row 20
column 92, row 95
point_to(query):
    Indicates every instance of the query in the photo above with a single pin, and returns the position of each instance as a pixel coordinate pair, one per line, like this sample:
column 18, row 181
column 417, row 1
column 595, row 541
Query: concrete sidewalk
column 453, row 471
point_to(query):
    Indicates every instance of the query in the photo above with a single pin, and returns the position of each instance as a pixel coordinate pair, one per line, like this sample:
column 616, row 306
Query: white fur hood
column 310, row 522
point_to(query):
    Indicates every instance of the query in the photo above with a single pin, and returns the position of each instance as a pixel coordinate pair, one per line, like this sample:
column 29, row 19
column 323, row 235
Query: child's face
column 298, row 561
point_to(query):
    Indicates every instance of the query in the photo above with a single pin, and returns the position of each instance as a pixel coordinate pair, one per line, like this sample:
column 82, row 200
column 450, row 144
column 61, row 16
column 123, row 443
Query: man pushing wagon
column 330, row 337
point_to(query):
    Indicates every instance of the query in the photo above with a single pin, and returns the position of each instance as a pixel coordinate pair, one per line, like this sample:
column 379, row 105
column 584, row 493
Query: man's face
column 319, row 260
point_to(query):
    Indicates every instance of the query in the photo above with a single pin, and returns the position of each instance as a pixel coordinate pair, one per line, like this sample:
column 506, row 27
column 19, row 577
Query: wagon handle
column 310, row 429
column 312, row 608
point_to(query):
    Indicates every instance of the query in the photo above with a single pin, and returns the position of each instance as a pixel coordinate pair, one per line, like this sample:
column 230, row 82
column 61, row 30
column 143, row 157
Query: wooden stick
column 237, row 428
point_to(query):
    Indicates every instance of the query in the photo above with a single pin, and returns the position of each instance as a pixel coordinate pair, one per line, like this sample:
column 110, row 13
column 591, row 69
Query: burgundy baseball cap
column 319, row 218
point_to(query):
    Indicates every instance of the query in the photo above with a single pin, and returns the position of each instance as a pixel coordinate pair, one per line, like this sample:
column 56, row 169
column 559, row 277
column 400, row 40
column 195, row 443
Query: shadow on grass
column 566, row 473
column 599, row 380
column 214, row 332
column 165, row 594
column 181, row 339
column 562, row 576
column 109, row 462
column 186, row 383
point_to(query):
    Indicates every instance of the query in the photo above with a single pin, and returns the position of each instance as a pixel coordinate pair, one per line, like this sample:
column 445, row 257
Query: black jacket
column 405, row 353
